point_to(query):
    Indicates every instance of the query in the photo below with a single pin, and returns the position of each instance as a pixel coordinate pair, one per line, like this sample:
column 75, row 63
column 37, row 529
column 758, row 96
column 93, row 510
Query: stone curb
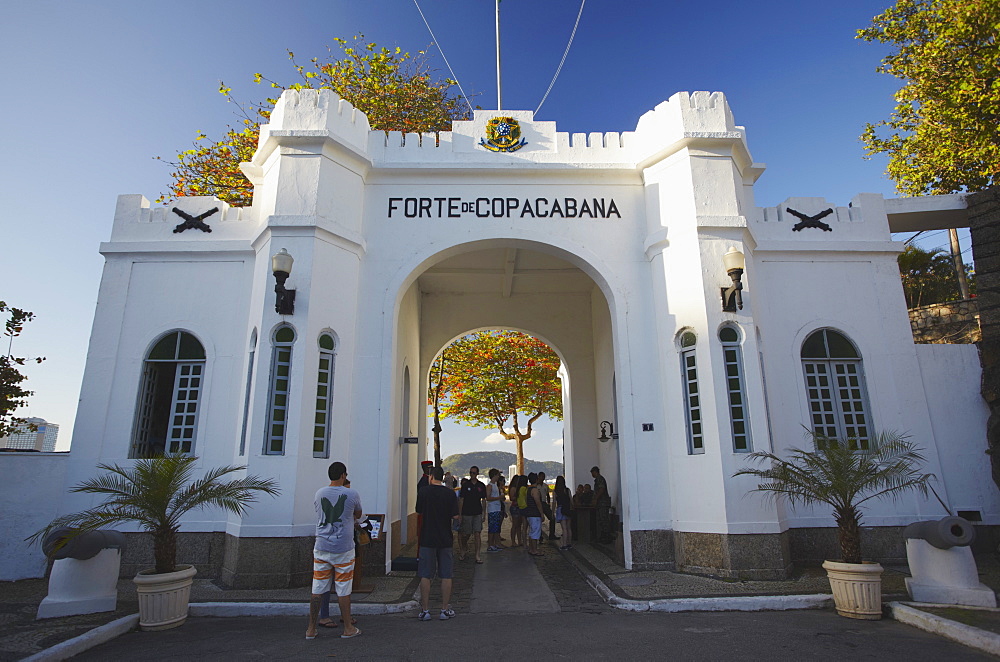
column 728, row 603
column 116, row 628
column 86, row 641
column 983, row 640
column 236, row 609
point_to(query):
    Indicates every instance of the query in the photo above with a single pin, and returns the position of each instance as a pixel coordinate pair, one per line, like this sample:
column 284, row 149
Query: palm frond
column 154, row 493
column 840, row 477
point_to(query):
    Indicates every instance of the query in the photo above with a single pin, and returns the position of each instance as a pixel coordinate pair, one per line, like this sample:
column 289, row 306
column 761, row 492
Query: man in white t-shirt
column 337, row 509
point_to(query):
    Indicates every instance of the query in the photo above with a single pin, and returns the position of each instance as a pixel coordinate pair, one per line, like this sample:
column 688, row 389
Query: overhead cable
column 565, row 53
column 443, row 56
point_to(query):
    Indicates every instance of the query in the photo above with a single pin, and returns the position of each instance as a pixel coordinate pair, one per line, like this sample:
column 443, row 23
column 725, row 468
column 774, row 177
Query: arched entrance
column 531, row 287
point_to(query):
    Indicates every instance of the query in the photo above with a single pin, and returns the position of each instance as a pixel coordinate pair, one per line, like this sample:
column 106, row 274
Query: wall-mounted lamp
column 607, row 428
column 732, row 297
column 281, row 266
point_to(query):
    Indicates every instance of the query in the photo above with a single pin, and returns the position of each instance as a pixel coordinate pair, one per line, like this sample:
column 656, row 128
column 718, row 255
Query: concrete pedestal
column 82, row 587
column 584, row 523
column 945, row 576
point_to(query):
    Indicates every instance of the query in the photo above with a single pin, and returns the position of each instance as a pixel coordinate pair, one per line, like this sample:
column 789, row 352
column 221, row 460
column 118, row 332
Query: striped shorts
column 333, row 568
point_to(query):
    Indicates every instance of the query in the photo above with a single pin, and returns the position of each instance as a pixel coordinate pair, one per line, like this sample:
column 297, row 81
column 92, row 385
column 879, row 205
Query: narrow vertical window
column 167, row 413
column 324, row 396
column 246, row 395
column 692, row 397
column 277, row 410
column 836, row 389
column 739, row 417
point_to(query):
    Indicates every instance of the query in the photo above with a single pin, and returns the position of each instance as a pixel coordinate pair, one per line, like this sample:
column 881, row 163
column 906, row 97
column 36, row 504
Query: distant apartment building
column 42, row 439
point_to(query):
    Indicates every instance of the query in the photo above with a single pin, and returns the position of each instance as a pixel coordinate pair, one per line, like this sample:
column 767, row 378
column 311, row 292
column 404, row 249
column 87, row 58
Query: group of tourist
column 527, row 501
column 530, row 503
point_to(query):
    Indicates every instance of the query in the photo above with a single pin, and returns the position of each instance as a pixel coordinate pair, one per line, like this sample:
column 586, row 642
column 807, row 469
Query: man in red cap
column 425, row 466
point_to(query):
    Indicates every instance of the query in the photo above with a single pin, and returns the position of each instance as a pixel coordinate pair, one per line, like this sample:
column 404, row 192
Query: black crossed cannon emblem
column 193, row 222
column 810, row 221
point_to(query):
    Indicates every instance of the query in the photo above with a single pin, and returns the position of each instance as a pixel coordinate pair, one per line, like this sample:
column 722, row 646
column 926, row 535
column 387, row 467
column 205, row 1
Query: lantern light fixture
column 281, row 267
column 607, row 428
column 732, row 297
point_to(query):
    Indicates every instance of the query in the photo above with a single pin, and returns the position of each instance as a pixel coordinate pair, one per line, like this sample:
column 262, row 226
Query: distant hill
column 459, row 463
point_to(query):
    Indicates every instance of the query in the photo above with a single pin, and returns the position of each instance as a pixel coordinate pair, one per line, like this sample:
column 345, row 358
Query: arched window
column 692, row 397
column 277, row 407
column 739, row 416
column 167, row 415
column 835, row 386
column 324, row 395
column 246, row 394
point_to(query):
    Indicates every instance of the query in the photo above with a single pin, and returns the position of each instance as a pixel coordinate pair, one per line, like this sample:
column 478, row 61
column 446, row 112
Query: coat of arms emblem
column 503, row 134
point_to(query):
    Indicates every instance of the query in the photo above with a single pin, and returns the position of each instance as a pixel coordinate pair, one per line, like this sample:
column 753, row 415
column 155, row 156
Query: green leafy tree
column 929, row 277
column 155, row 493
column 944, row 134
column 395, row 90
column 12, row 394
column 499, row 379
column 843, row 478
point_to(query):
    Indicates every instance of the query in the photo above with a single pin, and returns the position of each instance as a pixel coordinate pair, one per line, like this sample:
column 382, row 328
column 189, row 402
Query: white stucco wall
column 950, row 375
column 31, row 497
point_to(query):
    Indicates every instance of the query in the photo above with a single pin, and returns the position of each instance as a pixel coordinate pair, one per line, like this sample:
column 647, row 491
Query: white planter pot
column 163, row 598
column 857, row 588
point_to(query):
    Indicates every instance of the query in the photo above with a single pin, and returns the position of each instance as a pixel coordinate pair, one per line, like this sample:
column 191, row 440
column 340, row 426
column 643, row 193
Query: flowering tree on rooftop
column 498, row 379
column 395, row 90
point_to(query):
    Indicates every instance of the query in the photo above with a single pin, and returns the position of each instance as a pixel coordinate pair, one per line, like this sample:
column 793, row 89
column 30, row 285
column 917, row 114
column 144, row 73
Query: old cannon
column 942, row 568
column 84, row 573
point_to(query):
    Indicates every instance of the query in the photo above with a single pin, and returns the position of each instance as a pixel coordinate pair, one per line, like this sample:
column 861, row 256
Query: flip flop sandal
column 328, row 624
column 310, row 638
column 354, row 621
column 356, row 633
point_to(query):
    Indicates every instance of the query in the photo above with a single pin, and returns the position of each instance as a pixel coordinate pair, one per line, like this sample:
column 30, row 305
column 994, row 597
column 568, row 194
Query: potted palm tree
column 845, row 477
column 155, row 493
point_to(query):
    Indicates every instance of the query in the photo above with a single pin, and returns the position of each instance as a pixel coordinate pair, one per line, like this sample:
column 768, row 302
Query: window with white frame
column 692, row 397
column 167, row 413
column 246, row 394
column 324, row 395
column 739, row 415
column 836, row 390
column 278, row 401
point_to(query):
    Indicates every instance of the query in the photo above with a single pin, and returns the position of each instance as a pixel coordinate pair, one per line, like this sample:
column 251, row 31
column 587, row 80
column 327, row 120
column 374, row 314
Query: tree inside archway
column 505, row 380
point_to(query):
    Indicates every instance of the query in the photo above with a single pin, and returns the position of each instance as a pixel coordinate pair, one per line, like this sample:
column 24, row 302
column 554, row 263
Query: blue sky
column 97, row 89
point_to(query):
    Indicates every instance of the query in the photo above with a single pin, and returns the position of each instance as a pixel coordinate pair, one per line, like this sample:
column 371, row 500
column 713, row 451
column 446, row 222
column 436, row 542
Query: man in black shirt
column 470, row 501
column 438, row 506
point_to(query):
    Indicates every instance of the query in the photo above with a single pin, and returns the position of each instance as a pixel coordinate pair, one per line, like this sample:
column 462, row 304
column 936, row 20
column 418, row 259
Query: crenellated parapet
column 815, row 224
column 700, row 120
column 319, row 110
column 136, row 221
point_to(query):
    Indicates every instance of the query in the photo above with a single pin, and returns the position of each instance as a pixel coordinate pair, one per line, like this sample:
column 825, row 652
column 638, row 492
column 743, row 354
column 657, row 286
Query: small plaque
column 647, row 427
column 373, row 524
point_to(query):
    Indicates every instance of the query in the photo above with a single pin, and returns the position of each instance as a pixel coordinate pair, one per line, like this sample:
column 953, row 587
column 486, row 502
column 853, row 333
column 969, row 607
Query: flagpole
column 499, row 106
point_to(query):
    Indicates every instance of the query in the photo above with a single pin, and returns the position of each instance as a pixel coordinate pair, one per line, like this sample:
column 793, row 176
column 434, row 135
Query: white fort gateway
column 612, row 248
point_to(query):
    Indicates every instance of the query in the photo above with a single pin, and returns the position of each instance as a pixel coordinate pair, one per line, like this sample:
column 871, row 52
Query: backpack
column 522, row 497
